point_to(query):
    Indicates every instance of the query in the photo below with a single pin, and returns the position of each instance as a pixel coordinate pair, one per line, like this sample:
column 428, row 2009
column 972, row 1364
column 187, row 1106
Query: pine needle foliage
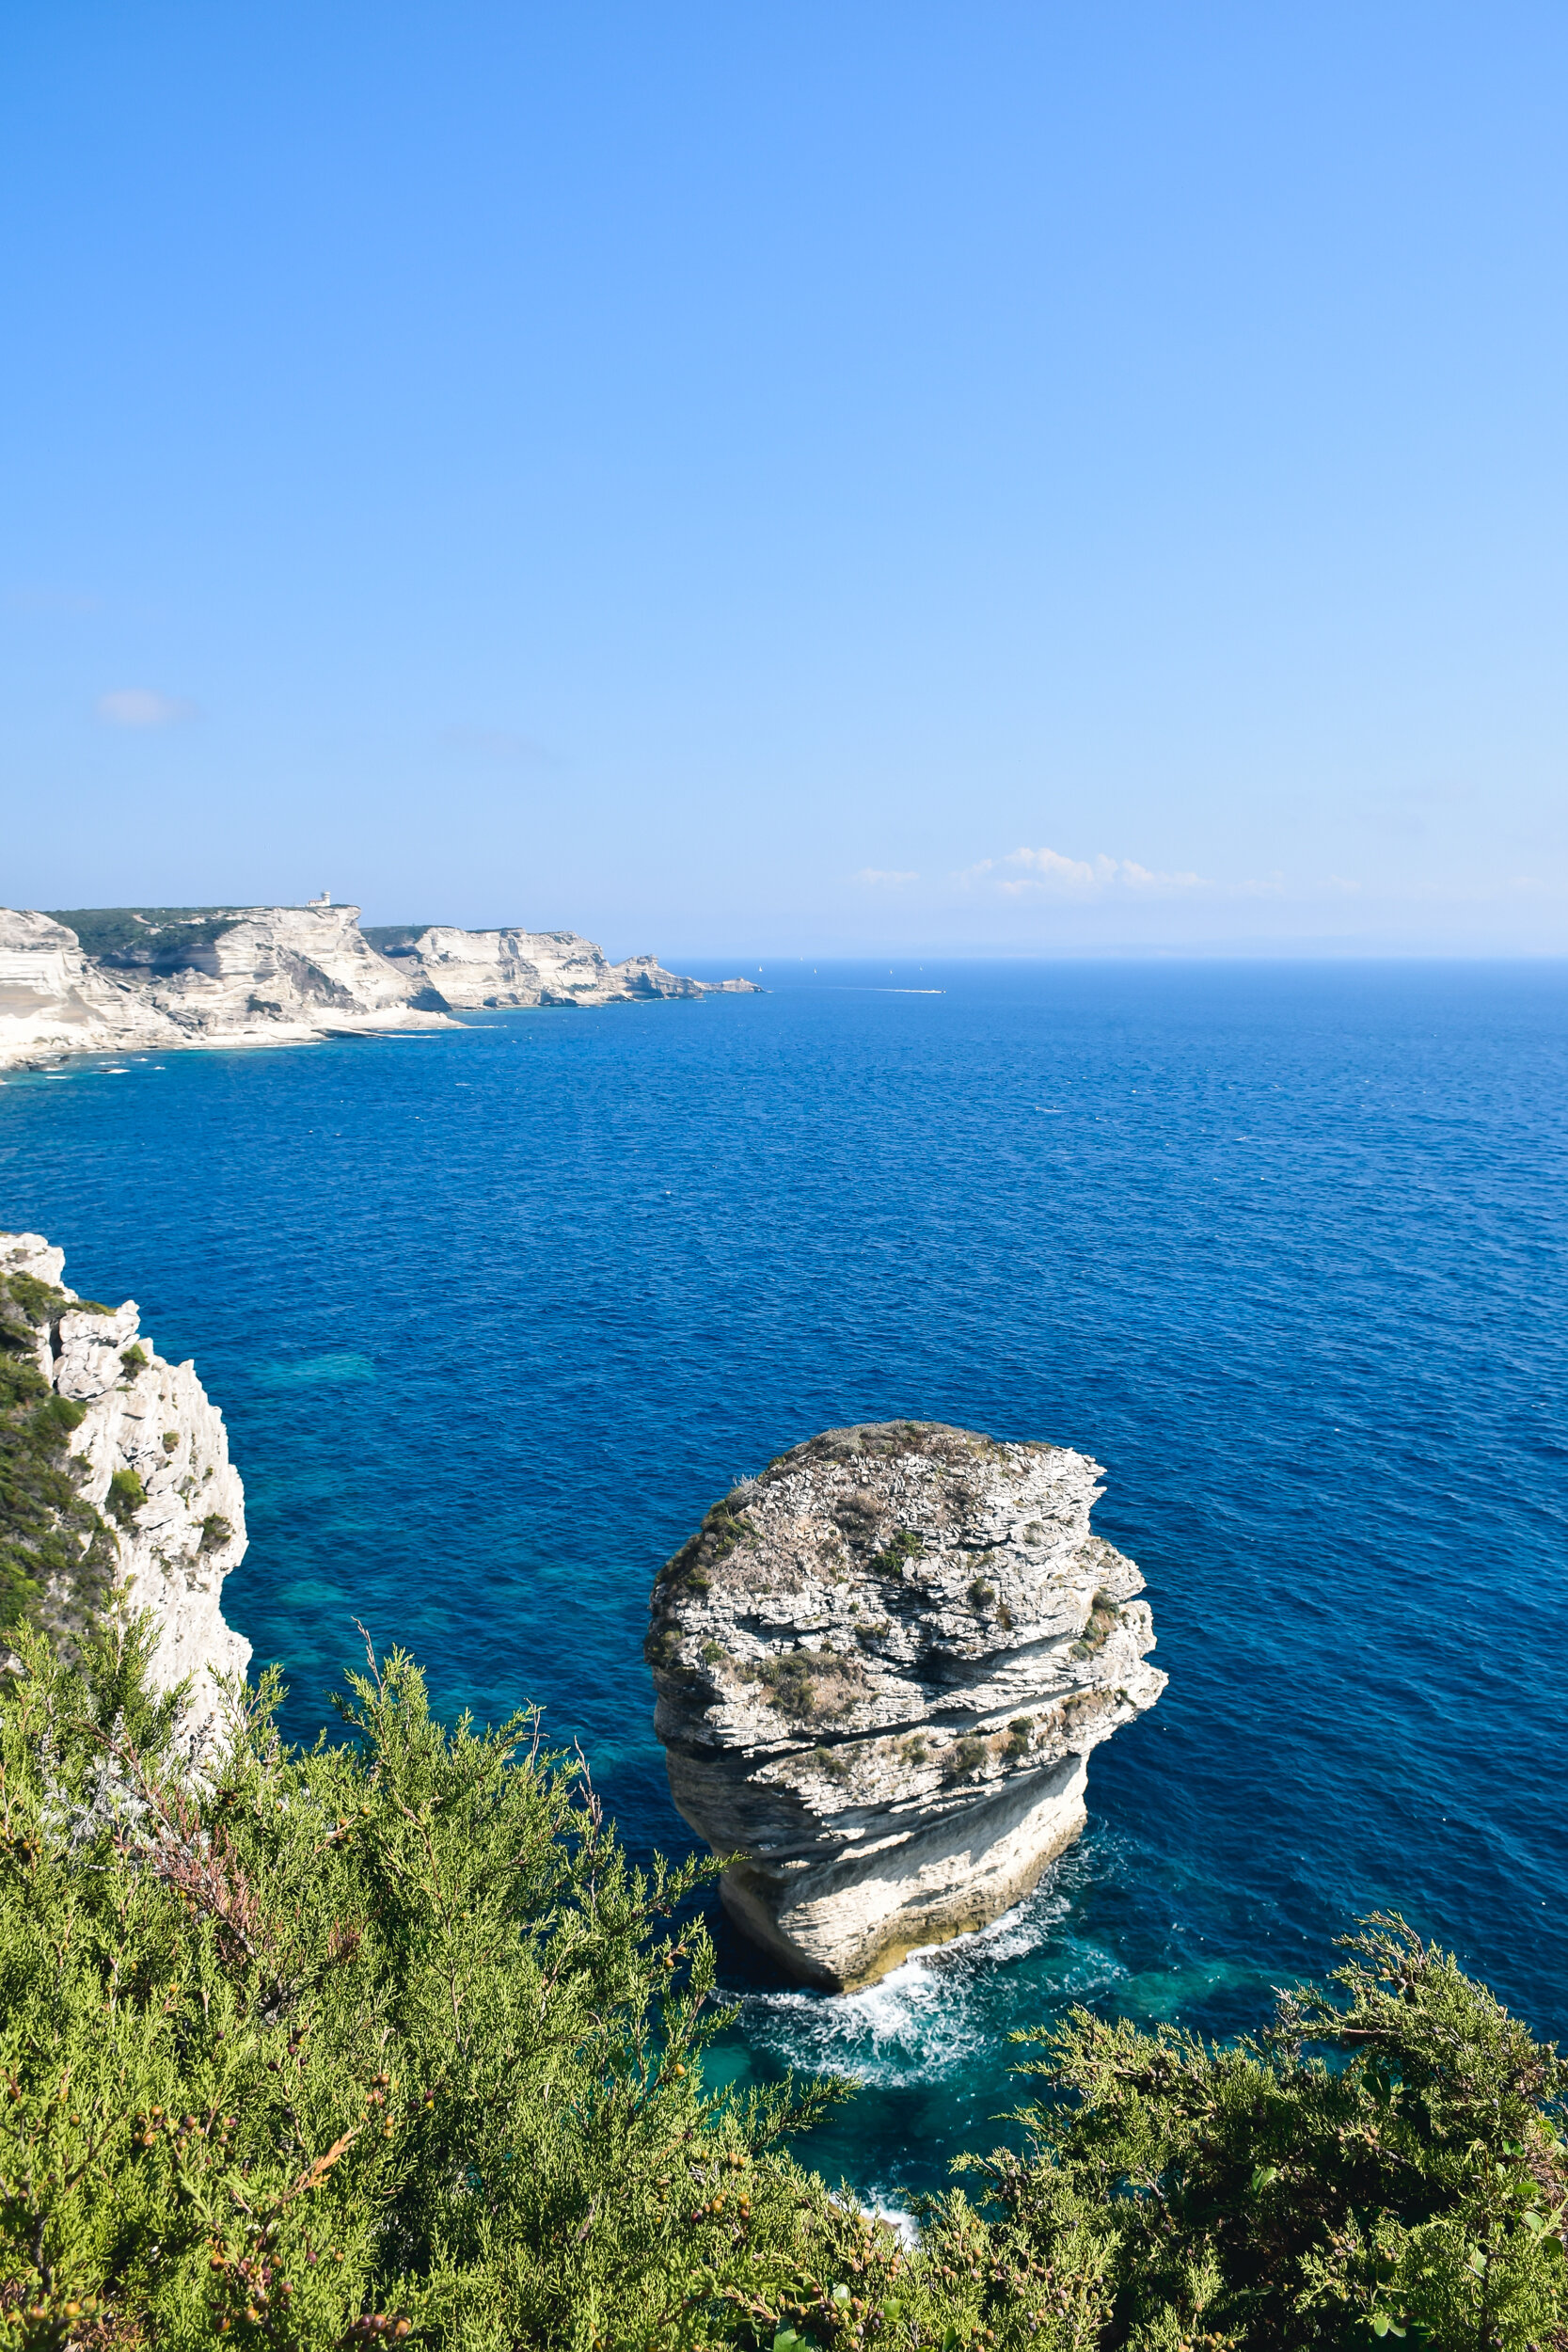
column 384, row 2041
column 1385, row 2163
column 378, row 2039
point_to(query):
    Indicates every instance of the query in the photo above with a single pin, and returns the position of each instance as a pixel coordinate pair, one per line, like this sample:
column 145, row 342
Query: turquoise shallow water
column 494, row 1316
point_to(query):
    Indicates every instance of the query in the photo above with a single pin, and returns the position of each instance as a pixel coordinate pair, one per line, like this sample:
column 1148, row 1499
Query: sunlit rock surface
column 55, row 1000
column 175, row 1518
column 881, row 1667
column 504, row 969
column 154, row 979
column 138, row 978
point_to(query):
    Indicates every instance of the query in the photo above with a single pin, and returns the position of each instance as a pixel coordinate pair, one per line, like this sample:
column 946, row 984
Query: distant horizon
column 1329, row 951
column 1010, row 482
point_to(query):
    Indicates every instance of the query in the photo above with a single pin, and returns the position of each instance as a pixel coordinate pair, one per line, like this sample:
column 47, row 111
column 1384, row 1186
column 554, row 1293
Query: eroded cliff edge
column 117, row 1480
column 510, row 970
column 881, row 1667
column 138, row 980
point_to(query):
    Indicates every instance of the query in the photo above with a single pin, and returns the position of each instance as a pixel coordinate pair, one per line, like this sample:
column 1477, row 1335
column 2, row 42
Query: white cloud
column 139, row 707
column 1139, row 878
column 1044, row 869
column 1049, row 866
column 883, row 878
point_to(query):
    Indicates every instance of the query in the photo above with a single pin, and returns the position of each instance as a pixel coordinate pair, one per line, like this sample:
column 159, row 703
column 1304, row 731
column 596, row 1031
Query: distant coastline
column 122, row 979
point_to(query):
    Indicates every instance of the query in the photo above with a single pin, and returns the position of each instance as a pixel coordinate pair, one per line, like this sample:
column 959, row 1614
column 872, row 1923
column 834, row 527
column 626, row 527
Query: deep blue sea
column 493, row 1316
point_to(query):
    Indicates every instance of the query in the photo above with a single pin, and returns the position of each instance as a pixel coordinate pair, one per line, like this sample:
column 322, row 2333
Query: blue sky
column 1022, row 479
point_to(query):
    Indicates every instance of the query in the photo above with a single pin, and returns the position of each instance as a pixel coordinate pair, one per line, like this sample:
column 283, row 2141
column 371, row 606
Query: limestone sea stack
column 130, row 1494
column 880, row 1666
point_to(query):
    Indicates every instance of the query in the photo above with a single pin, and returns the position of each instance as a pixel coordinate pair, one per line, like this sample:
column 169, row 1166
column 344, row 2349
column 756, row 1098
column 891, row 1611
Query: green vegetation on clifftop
column 383, row 2041
column 159, row 939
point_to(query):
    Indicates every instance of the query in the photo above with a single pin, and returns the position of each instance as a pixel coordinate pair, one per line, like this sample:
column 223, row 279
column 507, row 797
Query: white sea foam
column 884, row 2203
column 928, row 2018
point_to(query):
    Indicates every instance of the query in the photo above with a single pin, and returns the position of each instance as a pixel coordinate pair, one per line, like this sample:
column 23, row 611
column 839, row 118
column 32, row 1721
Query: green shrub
column 384, row 2040
column 720, row 1531
column 1385, row 2161
column 790, row 1682
column 1103, row 1617
column 52, row 1543
column 215, row 1531
column 901, row 1548
column 127, row 1496
column 134, row 1359
column 374, row 2032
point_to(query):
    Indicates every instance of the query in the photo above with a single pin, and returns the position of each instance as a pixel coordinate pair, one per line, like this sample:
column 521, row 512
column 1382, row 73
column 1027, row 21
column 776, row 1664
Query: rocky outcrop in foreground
column 132, row 979
column 118, row 1478
column 880, row 1666
column 490, row 971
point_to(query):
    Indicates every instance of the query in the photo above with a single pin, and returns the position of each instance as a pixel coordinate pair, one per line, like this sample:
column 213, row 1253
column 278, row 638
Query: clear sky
column 850, row 475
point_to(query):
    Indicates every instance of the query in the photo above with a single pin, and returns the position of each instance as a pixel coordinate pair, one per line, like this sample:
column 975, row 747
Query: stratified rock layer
column 881, row 1667
column 149, row 1454
column 308, row 971
column 493, row 971
column 137, row 979
column 55, row 1000
column 171, row 977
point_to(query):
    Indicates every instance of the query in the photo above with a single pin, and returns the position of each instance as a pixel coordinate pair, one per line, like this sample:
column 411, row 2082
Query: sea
column 492, row 1315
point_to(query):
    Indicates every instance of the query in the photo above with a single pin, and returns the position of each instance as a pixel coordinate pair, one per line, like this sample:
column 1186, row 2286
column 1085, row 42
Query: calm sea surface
column 494, row 1316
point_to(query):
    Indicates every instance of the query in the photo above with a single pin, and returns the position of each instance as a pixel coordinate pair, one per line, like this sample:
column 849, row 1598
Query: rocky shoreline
column 131, row 979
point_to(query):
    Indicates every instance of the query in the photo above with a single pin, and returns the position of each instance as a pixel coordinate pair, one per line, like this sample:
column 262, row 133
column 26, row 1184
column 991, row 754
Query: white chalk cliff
column 164, row 979
column 55, row 1000
column 505, row 969
column 881, row 1667
column 134, row 979
column 146, row 1455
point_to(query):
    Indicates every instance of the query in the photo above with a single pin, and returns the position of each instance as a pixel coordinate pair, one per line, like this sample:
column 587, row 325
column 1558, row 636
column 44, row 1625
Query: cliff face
column 55, row 1000
column 489, row 970
column 120, row 1480
column 131, row 979
column 881, row 1667
column 308, row 971
column 266, row 976
column 168, row 978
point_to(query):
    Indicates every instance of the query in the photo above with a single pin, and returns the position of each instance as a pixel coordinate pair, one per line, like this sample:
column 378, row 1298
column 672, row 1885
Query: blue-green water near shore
column 495, row 1316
